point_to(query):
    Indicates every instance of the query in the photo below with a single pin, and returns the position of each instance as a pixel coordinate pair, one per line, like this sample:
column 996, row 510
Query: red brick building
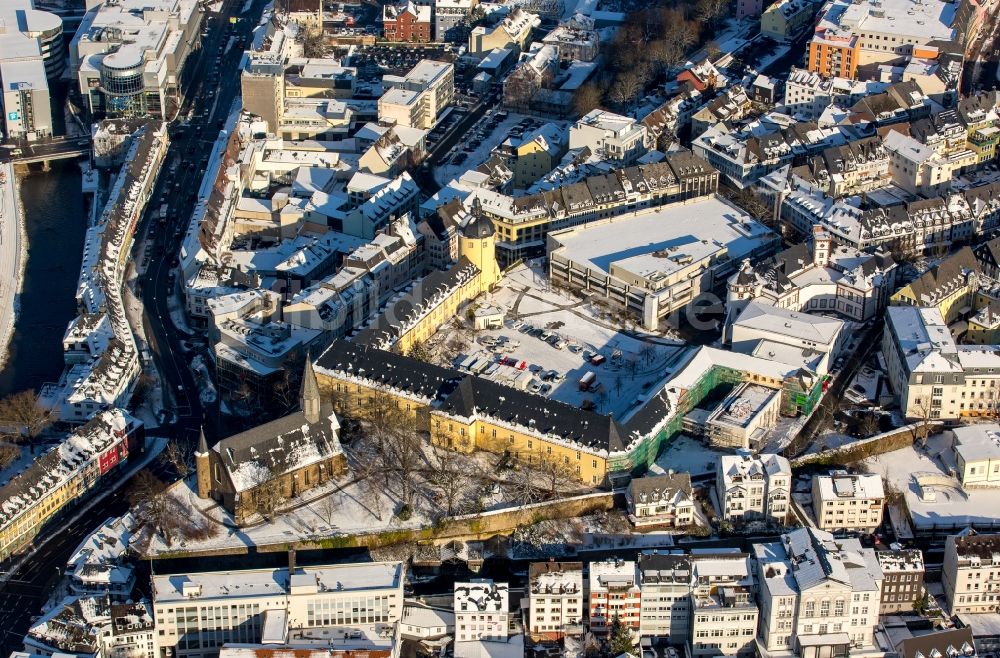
column 407, row 22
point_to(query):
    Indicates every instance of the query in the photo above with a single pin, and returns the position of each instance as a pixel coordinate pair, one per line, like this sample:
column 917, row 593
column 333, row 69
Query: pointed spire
column 202, row 442
column 309, row 398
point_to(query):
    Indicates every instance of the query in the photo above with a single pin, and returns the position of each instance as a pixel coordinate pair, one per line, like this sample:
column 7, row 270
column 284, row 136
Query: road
column 22, row 595
column 981, row 63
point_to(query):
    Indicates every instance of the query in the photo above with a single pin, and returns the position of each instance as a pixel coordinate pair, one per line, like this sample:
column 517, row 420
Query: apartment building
column 661, row 500
column 666, row 582
column 818, row 596
column 407, row 22
column 971, row 573
column 482, row 611
column 808, row 94
column 450, row 16
column 513, row 32
column 848, row 502
column 753, row 488
column 917, row 168
column 63, row 475
column 197, row 613
column 903, row 578
column 934, row 377
column 784, row 19
column 849, row 35
column 977, row 454
column 615, row 591
column 609, row 136
column 818, row 276
column 417, row 99
column 555, row 599
column 724, row 615
column 129, row 56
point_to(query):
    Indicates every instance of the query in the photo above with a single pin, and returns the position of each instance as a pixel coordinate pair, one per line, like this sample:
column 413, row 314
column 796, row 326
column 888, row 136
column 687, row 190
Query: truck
column 587, row 381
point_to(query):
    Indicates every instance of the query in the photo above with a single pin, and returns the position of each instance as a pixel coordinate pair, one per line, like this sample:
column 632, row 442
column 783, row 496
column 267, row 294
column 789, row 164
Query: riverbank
column 13, row 256
column 53, row 219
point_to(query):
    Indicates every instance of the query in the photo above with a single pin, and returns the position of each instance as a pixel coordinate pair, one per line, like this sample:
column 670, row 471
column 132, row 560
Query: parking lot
column 556, row 345
column 485, row 135
column 373, row 62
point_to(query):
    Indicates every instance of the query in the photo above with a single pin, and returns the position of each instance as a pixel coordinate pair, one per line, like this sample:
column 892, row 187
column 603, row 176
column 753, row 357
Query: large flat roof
column 275, row 582
column 665, row 239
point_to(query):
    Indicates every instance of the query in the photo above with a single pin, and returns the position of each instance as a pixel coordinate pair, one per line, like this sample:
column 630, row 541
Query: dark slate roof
column 951, row 271
column 479, row 225
column 393, row 370
column 660, row 484
column 950, row 643
column 401, row 313
column 476, row 395
column 988, row 253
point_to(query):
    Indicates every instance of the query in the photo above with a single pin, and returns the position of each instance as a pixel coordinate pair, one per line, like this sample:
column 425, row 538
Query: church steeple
column 202, row 442
column 309, row 399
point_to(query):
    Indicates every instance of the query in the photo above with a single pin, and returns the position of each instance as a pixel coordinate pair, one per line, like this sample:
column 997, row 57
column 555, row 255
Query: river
column 56, row 217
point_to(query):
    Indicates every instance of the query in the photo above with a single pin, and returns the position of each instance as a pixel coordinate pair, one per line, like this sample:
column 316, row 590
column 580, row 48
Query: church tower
column 477, row 241
column 309, row 398
column 203, row 466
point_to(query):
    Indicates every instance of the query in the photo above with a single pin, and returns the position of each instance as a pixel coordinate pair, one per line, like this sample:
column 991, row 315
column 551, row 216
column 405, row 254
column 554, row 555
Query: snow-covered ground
column 688, row 455
column 347, row 507
column 951, row 505
column 13, row 255
column 447, row 172
column 526, row 298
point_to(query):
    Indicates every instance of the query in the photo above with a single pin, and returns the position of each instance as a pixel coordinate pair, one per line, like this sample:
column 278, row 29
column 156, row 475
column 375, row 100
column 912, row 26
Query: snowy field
column 635, row 364
column 951, row 505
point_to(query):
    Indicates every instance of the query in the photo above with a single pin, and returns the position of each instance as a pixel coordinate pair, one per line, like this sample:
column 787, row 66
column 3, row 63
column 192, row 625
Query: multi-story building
column 513, row 32
column 575, row 40
column 615, row 591
column 848, row 502
column 852, row 168
column 408, row 22
column 200, row 612
column 417, row 99
column 903, row 578
column 652, row 270
column 808, row 94
column 62, row 476
column 665, row 500
column 94, row 626
column 950, row 286
column 523, row 223
column 851, row 35
column 555, row 599
column 611, row 137
column 763, row 329
column 754, row 488
column 934, row 377
column 917, row 168
column 821, row 276
column 129, row 57
column 818, row 595
column 971, row 573
column 482, row 611
column 665, row 609
column 724, row 616
column 977, row 454
column 783, row 20
column 98, row 566
column 450, row 17
column 31, row 53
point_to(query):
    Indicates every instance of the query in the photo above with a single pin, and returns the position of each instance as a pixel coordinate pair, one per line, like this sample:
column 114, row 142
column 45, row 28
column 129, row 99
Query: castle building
column 257, row 470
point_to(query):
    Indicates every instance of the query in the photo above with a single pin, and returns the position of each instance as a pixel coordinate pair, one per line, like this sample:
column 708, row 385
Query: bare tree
column 180, row 456
column 588, row 97
column 147, row 498
column 327, row 508
column 23, row 418
column 627, row 86
column 449, row 478
column 286, row 390
column 403, row 454
column 8, row 455
column 618, row 384
column 868, row 425
column 647, row 352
